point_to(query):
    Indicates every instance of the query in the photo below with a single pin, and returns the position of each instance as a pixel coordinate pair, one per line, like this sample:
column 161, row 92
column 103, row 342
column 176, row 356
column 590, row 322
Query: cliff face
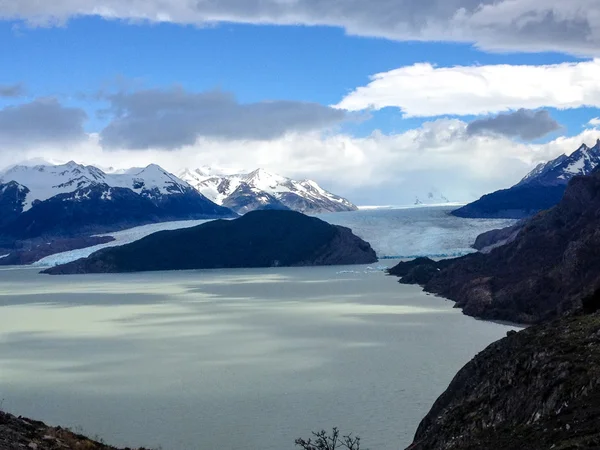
column 257, row 239
column 536, row 389
column 492, row 239
column 545, row 271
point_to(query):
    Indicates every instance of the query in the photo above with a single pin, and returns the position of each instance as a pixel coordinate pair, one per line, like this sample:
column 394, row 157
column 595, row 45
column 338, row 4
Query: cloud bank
column 525, row 124
column 524, row 25
column 378, row 168
column 172, row 118
column 11, row 90
column 41, row 122
column 422, row 90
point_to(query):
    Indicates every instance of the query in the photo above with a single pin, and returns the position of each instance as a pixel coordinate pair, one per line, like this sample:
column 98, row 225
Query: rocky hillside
column 544, row 271
column 257, row 239
column 538, row 389
column 541, row 189
column 19, row 433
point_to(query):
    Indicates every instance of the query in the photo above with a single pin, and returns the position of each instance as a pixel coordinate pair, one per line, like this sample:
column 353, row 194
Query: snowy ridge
column 47, row 181
column 305, row 196
column 560, row 170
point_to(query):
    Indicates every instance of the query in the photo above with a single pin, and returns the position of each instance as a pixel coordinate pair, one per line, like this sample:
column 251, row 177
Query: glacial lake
column 230, row 359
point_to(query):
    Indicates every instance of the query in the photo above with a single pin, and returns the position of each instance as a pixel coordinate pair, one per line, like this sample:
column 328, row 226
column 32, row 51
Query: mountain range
column 541, row 189
column 71, row 199
column 47, row 208
column 260, row 189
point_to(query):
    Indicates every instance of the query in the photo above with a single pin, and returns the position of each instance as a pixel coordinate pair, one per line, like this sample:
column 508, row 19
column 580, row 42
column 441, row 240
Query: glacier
column 417, row 231
column 393, row 233
column 121, row 238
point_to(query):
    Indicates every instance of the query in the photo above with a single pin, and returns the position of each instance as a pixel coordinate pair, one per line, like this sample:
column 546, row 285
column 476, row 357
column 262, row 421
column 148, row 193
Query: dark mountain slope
column 100, row 208
column 538, row 389
column 541, row 189
column 12, row 196
column 552, row 263
column 513, row 203
column 258, row 239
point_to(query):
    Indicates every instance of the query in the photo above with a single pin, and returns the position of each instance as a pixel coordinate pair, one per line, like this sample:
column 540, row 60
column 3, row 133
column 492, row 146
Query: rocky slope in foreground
column 18, row 433
column 258, row 239
column 546, row 270
column 538, row 389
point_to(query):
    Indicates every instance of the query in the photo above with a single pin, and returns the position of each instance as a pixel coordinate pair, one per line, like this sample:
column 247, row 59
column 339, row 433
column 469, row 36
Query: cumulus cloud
column 171, row 118
column 375, row 169
column 422, row 90
column 530, row 25
column 595, row 122
column 525, row 124
column 40, row 122
column 11, row 90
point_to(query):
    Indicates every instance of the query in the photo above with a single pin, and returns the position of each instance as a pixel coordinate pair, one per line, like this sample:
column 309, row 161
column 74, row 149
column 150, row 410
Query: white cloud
column 595, row 122
column 571, row 26
column 377, row 169
column 422, row 90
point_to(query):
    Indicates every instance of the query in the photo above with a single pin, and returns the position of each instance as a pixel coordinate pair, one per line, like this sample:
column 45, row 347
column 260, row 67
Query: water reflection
column 229, row 359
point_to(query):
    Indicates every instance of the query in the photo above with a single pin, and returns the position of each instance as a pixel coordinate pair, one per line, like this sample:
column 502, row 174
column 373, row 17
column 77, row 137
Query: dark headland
column 537, row 389
column 258, row 239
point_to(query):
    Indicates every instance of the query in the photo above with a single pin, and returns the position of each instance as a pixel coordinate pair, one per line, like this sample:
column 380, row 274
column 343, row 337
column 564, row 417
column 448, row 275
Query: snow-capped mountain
column 260, row 189
column 540, row 189
column 67, row 198
column 560, row 170
column 44, row 181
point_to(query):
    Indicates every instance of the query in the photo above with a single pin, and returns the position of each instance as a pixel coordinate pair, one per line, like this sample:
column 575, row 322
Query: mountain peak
column 155, row 167
column 560, row 170
column 540, row 189
column 268, row 190
column 264, row 180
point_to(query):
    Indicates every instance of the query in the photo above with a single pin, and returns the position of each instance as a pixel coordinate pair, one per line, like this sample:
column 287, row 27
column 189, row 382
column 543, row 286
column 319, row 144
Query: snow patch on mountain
column 304, row 196
column 560, row 170
column 46, row 181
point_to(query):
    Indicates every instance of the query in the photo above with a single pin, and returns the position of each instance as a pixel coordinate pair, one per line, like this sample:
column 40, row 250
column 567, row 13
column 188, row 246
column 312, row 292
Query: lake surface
column 230, row 359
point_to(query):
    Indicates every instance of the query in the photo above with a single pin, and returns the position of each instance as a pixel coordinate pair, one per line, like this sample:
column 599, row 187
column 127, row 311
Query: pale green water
column 232, row 359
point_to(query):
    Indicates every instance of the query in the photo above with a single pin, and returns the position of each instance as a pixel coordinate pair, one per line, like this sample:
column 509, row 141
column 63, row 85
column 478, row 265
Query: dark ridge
column 67, row 215
column 257, row 239
column 513, row 203
column 550, row 266
column 538, row 389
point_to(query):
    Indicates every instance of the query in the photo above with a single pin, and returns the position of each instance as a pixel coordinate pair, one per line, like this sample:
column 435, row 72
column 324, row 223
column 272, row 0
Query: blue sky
column 237, row 86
